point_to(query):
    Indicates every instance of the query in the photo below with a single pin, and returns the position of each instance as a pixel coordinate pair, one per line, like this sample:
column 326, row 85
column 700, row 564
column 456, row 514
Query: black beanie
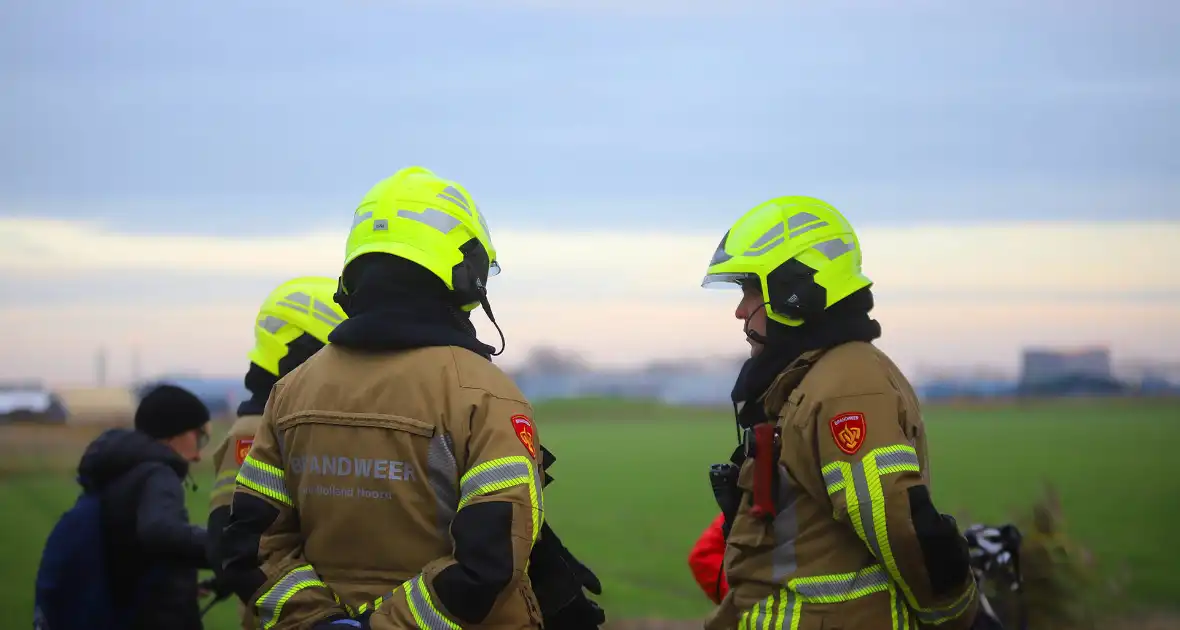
column 168, row 411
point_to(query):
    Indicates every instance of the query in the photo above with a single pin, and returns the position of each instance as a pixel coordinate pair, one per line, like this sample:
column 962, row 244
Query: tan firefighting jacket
column 227, row 460
column 368, row 458
column 841, row 552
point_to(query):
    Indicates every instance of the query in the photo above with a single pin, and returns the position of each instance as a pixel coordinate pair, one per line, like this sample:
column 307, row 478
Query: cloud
column 1099, row 259
column 945, row 294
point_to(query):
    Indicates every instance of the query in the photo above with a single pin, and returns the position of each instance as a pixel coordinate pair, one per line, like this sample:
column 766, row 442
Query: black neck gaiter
column 847, row 320
column 398, row 305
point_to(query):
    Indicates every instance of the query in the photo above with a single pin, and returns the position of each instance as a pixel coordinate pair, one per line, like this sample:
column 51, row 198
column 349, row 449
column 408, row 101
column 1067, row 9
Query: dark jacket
column 150, row 542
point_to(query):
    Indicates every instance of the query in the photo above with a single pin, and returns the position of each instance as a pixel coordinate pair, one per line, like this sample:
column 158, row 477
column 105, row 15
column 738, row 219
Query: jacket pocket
column 347, row 419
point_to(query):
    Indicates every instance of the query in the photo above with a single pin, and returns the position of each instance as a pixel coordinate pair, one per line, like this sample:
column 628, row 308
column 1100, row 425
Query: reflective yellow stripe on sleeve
column 270, row 605
column 502, row 473
column 865, row 498
column 265, row 479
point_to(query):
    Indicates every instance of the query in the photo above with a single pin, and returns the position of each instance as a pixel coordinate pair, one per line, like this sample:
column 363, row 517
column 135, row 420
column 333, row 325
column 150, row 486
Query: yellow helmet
column 297, row 306
column 802, row 252
column 428, row 220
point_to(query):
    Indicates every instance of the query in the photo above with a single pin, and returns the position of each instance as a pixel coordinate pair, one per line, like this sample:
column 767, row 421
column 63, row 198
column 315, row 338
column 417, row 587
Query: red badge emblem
column 848, row 430
column 525, row 433
column 242, row 449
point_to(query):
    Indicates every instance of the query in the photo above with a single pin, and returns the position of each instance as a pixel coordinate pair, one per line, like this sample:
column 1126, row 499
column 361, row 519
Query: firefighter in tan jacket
column 291, row 325
column 396, row 478
column 828, row 517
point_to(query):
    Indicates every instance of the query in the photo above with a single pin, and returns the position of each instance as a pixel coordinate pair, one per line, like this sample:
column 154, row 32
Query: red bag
column 705, row 561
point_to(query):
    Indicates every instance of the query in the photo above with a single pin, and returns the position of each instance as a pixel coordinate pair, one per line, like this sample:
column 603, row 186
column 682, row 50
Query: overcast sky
column 145, row 136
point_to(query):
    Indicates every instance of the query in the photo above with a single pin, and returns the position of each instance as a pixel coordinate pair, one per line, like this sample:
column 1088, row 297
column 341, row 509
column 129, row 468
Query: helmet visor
column 728, row 280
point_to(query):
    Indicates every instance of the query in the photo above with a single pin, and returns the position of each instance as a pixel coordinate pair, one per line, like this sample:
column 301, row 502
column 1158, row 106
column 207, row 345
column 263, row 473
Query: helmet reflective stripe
column 271, row 324
column 804, row 229
column 435, row 218
column 456, row 197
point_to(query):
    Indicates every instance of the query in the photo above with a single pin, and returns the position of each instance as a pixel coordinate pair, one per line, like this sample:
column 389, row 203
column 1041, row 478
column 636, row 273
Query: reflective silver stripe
column 271, row 324
column 325, row 313
column 270, row 605
column 503, row 473
column 843, row 587
column 897, row 461
column 493, row 475
column 800, row 219
column 786, row 529
column 786, row 611
column 264, row 479
column 425, row 613
column 803, row 223
column 834, row 477
column 901, row 610
column 937, row 616
column 758, row 615
column 456, row 197
column 862, row 509
column 299, row 297
column 443, row 475
column 806, row 229
column 834, row 248
column 361, row 217
column 436, row 219
column 483, row 222
column 771, row 239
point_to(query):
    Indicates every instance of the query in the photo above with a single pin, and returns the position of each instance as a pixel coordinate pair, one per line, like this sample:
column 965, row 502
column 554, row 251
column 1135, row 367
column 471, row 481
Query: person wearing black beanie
column 153, row 552
column 176, row 417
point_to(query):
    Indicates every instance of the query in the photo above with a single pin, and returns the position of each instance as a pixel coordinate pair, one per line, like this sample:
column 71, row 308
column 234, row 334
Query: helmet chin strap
column 487, row 309
column 754, row 336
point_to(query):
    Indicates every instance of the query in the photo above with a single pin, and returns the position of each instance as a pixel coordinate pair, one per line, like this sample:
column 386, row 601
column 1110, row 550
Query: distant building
column 1064, row 372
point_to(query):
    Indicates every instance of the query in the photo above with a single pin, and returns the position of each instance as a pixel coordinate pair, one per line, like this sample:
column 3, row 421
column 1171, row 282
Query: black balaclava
column 847, row 320
column 259, row 382
column 396, row 304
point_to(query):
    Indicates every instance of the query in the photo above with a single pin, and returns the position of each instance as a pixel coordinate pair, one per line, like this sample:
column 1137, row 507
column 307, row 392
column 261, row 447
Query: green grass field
column 631, row 492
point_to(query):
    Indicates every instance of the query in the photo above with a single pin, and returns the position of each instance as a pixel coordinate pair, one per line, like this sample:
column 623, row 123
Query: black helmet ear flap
column 470, row 276
column 793, row 291
column 341, row 296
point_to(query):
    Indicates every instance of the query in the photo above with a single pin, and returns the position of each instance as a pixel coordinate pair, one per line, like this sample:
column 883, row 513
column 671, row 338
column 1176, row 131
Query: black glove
column 581, row 614
column 218, row 586
column 559, row 582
